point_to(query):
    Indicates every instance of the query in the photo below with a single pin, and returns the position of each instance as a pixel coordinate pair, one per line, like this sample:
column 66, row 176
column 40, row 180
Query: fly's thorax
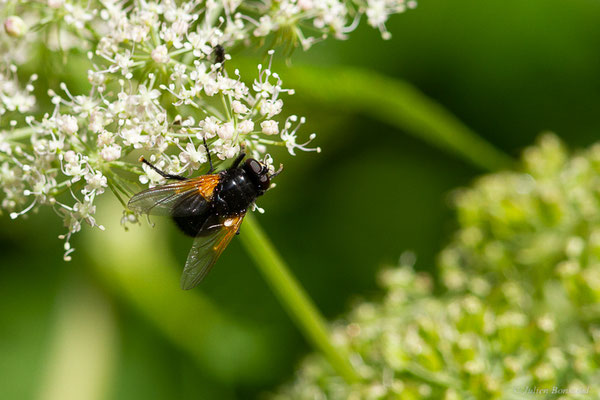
column 235, row 193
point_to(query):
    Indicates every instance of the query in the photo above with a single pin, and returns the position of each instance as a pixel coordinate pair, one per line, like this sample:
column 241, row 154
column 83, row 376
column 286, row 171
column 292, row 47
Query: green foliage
column 517, row 308
column 399, row 104
column 506, row 69
column 147, row 276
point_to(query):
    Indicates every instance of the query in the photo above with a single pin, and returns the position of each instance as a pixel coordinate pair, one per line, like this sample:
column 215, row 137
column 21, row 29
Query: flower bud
column 15, row 26
column 56, row 3
column 269, row 127
column 160, row 54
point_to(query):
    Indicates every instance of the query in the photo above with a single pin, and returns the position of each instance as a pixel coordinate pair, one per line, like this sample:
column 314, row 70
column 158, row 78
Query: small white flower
column 210, row 87
column 226, row 149
column 271, row 108
column 77, row 15
column 305, row 5
column 198, row 41
column 160, row 54
column 67, row 124
column 147, row 96
column 5, row 146
column 85, row 210
column 209, row 127
column 265, row 26
column 105, row 138
column 55, row 3
column 98, row 120
column 193, row 155
column 71, row 157
column 74, row 165
column 238, row 107
column 124, row 62
column 270, row 127
column 376, row 12
column 96, row 78
column 133, row 137
column 226, row 131
column 96, row 182
column 111, row 152
column 139, row 33
column 245, row 127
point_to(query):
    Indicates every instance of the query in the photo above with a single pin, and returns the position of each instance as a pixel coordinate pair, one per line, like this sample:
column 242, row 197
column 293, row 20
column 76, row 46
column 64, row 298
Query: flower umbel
column 159, row 81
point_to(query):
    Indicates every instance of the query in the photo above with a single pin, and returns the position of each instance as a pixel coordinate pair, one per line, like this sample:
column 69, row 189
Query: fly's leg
column 162, row 173
column 237, row 161
column 210, row 171
column 277, row 172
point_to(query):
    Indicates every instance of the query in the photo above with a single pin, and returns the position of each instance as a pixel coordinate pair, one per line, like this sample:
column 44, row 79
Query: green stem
column 83, row 356
column 20, row 133
column 290, row 293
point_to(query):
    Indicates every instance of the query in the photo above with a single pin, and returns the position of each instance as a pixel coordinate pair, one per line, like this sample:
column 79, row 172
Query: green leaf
column 394, row 102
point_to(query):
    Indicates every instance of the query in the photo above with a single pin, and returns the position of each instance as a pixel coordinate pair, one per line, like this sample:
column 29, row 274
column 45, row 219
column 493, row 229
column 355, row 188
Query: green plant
column 516, row 312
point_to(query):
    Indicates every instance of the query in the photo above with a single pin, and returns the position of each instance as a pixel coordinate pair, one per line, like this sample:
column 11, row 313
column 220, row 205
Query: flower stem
column 20, row 133
column 83, row 356
column 294, row 298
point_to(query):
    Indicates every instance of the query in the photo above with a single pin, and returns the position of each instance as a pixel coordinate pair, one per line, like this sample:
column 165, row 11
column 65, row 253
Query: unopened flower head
column 15, row 26
column 519, row 281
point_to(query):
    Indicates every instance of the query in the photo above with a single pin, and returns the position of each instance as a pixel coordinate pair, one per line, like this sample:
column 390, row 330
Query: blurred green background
column 508, row 69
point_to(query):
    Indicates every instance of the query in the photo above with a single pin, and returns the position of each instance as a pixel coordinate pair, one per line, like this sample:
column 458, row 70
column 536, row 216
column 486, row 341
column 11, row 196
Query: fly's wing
column 161, row 200
column 207, row 249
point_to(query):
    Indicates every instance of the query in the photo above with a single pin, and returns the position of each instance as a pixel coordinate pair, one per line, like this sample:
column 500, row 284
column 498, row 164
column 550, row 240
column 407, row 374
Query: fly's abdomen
column 192, row 226
column 190, row 214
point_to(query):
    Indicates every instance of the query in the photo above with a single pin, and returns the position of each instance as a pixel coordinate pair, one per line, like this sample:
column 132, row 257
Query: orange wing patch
column 205, row 185
column 206, row 251
column 231, row 226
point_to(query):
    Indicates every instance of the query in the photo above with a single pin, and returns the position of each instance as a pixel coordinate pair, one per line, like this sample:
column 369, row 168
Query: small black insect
column 209, row 208
column 219, row 52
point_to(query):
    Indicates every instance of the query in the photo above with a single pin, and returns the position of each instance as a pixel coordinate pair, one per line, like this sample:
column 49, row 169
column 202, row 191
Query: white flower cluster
column 157, row 82
column 378, row 12
column 12, row 96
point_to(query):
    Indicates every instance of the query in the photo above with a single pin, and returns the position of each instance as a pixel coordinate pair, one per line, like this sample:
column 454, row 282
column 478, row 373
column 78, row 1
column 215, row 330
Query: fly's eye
column 254, row 166
column 258, row 173
column 264, row 182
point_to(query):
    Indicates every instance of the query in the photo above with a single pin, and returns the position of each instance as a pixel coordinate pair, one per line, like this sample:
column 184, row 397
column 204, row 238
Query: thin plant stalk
column 293, row 297
column 82, row 357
